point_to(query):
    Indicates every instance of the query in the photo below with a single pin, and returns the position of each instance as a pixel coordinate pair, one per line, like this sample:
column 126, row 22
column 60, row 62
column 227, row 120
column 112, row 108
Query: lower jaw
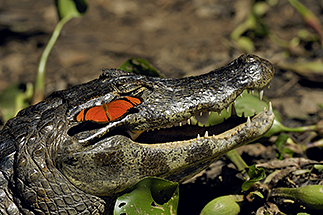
column 190, row 132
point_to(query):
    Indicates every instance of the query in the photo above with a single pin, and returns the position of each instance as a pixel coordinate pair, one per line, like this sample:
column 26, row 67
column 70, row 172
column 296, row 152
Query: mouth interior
column 188, row 132
column 172, row 133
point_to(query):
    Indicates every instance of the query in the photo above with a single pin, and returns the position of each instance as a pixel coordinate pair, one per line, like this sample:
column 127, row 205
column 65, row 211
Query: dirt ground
column 179, row 37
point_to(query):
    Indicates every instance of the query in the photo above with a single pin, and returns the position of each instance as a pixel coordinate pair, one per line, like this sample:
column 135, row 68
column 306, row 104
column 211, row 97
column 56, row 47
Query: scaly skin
column 51, row 163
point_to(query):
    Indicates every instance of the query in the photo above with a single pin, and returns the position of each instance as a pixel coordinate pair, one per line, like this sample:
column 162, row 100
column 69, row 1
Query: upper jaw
column 210, row 94
column 189, row 117
column 183, row 130
column 190, row 129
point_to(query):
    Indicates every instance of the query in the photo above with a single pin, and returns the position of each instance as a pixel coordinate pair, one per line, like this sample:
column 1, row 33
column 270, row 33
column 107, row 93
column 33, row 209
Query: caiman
column 74, row 152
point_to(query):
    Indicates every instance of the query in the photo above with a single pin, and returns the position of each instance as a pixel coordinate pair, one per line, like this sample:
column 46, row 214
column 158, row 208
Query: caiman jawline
column 185, row 131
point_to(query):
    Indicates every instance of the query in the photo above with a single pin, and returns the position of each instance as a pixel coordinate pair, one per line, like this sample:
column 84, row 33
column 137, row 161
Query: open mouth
column 195, row 127
column 189, row 129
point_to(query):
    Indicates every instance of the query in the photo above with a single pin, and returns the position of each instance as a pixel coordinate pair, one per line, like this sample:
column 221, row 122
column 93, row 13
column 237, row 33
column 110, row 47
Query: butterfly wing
column 95, row 114
column 108, row 112
column 117, row 108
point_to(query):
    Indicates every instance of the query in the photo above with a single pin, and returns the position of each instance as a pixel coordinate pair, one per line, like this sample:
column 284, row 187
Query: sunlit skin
column 80, row 148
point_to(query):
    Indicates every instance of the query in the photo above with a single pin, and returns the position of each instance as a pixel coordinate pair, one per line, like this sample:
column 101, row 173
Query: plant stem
column 237, row 160
column 39, row 85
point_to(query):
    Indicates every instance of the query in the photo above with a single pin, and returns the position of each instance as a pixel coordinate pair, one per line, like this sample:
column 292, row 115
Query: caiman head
column 109, row 156
column 105, row 135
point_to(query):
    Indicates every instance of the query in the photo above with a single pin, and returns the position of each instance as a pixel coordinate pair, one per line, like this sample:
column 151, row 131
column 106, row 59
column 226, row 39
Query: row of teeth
column 193, row 121
column 248, row 123
column 206, row 134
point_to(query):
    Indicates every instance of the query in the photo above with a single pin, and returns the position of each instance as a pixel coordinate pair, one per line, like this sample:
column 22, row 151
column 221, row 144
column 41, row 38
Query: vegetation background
column 180, row 38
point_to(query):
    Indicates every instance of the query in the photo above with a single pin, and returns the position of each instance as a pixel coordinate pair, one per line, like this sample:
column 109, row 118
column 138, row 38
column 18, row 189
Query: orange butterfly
column 108, row 112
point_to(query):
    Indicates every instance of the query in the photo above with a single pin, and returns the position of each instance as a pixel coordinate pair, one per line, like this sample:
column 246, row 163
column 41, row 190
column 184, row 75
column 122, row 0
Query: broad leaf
column 149, row 196
column 223, row 205
column 248, row 105
column 139, row 66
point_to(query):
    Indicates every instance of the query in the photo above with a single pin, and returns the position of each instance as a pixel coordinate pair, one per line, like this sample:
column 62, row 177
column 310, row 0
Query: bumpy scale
column 75, row 151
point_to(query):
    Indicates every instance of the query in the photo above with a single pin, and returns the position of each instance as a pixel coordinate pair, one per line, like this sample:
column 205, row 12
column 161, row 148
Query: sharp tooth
column 180, row 124
column 233, row 111
column 234, row 102
column 213, row 136
column 241, row 95
column 270, row 108
column 158, row 129
column 201, row 114
column 210, row 113
column 198, row 136
column 248, row 122
column 261, row 93
column 252, row 92
column 189, row 121
column 134, row 134
column 228, row 108
column 206, row 134
column 268, row 87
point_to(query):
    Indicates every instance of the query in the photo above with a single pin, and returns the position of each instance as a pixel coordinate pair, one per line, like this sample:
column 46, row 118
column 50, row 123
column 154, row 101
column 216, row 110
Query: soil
column 180, row 38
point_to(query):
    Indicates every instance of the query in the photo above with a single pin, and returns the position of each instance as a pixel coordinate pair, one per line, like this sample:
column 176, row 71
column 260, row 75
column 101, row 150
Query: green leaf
column 257, row 193
column 15, row 98
column 319, row 167
column 223, row 205
column 248, row 105
column 139, row 66
column 312, row 70
column 71, row 8
column 255, row 174
column 311, row 196
column 245, row 44
column 149, row 196
column 280, row 144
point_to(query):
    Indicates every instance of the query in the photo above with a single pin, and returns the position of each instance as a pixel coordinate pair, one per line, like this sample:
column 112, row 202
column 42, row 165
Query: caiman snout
column 159, row 135
column 260, row 69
